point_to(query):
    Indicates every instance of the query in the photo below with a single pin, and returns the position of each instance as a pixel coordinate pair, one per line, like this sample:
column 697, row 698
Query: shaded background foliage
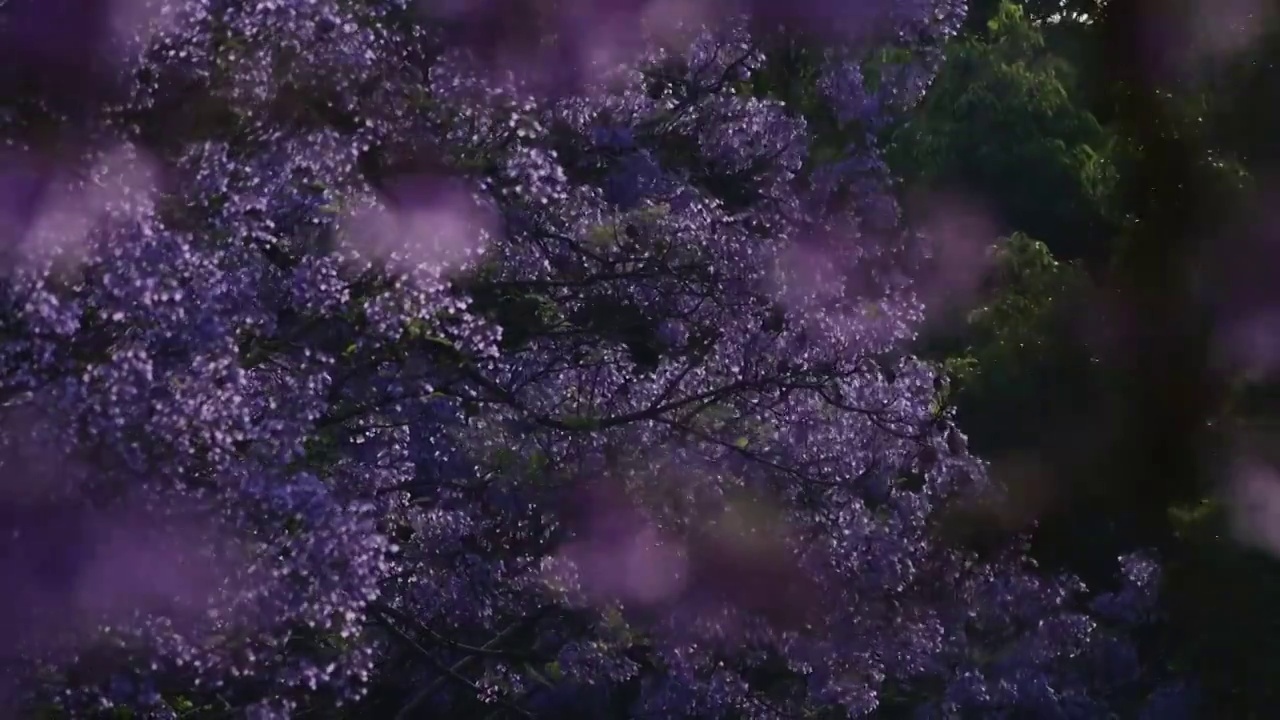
column 1119, row 444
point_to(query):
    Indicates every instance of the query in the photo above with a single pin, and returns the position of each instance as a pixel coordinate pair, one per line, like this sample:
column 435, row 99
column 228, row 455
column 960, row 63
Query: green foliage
column 1004, row 123
column 1033, row 286
column 1026, row 116
column 1022, row 363
column 981, row 12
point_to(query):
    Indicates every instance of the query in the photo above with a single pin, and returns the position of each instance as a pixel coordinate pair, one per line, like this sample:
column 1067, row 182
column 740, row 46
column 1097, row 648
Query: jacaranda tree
column 498, row 363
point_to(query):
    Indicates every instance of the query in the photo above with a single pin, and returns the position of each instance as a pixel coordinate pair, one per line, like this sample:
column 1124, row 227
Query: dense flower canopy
column 347, row 361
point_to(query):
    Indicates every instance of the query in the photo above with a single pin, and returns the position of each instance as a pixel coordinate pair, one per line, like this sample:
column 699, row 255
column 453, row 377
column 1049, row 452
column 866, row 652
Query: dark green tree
column 1004, row 124
column 1040, row 11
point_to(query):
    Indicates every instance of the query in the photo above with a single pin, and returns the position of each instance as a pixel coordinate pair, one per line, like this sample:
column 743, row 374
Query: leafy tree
column 981, row 12
column 1004, row 124
column 1025, row 358
column 1204, row 133
column 337, row 360
column 1028, row 384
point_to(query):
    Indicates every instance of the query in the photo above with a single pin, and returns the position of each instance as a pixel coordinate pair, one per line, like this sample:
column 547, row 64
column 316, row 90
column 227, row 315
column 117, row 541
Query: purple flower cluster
column 337, row 358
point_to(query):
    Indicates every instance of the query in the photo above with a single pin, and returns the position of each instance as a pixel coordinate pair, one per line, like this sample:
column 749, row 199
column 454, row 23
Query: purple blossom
column 316, row 398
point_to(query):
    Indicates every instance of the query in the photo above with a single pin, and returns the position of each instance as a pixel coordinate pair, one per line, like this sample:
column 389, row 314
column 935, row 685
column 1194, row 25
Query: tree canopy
column 536, row 359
